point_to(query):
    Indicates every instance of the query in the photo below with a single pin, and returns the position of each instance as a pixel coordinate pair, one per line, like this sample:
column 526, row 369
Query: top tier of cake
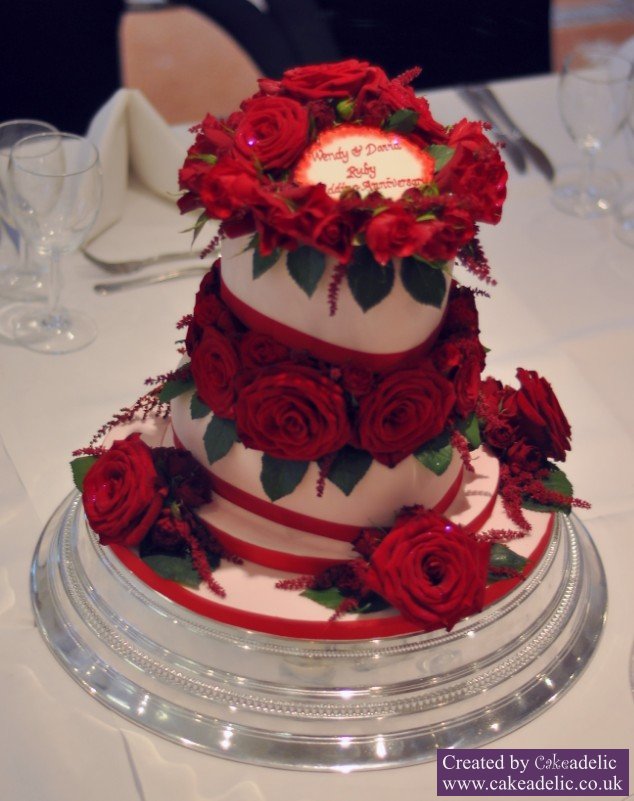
column 276, row 305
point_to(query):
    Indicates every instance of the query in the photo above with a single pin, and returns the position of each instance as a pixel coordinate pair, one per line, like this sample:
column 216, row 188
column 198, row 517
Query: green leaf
column 198, row 408
column 174, row 568
column 263, row 263
column 404, row 121
column 424, row 280
column 502, row 557
column 306, row 266
column 348, row 468
column 279, row 477
column 330, row 598
column 556, row 481
column 441, row 154
column 80, row 466
column 369, row 282
column 436, row 454
column 470, row 428
column 173, row 388
column 219, row 437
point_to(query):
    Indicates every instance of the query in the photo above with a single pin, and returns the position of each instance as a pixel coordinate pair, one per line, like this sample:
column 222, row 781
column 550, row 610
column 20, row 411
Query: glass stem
column 54, row 284
column 589, row 166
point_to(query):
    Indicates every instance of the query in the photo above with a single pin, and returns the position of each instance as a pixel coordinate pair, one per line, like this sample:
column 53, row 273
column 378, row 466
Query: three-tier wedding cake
column 328, row 460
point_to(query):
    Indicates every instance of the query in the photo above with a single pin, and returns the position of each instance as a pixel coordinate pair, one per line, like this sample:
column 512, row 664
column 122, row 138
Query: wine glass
column 55, row 194
column 20, row 278
column 594, row 96
column 624, row 210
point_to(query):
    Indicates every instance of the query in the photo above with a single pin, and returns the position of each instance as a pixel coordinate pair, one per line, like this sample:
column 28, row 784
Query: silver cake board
column 328, row 705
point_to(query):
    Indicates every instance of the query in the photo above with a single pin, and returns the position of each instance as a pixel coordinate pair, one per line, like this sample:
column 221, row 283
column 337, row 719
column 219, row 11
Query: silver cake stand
column 308, row 705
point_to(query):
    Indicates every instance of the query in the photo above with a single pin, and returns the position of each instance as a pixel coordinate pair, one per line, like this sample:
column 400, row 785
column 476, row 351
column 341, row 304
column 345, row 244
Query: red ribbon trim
column 304, row 629
column 313, row 525
column 277, row 560
column 377, row 362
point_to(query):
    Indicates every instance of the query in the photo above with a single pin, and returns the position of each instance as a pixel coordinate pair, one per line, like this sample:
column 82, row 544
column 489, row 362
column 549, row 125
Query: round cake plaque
column 315, row 705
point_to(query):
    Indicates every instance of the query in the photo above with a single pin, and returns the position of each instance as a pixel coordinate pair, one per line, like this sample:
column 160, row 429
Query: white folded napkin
column 132, row 137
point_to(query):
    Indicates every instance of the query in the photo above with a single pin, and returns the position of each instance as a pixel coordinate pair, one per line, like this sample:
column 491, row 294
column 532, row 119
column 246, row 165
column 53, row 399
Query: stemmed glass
column 20, row 279
column 55, row 194
column 624, row 212
column 594, row 94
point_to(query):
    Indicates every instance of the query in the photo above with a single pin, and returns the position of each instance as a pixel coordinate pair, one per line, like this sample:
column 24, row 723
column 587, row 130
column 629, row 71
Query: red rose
column 393, row 232
column 214, row 366
column 272, row 132
column 122, row 493
column 540, row 416
column 476, row 172
column 440, row 240
column 341, row 79
column 292, row 412
column 467, row 386
column 334, row 235
column 499, row 433
column 462, row 314
column 406, row 409
column 209, row 309
column 226, row 188
column 430, row 570
column 524, row 457
column 258, row 350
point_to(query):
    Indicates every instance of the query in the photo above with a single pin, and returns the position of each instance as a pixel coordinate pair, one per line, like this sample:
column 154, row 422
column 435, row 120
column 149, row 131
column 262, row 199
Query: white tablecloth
column 563, row 306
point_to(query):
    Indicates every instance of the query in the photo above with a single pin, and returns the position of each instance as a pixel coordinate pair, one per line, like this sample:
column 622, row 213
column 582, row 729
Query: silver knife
column 147, row 280
column 472, row 98
column 499, row 116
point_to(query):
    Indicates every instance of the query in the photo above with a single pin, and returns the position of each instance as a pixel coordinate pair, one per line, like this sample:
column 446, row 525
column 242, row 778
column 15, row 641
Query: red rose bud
column 430, row 571
column 122, row 493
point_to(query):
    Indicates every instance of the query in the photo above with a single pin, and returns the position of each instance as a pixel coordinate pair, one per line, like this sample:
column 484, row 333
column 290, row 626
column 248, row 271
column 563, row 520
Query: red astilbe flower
column 473, row 258
column 334, row 287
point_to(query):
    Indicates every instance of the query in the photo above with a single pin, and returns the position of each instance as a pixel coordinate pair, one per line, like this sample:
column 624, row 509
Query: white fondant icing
column 255, row 530
column 398, row 323
column 252, row 588
column 373, row 502
column 477, row 490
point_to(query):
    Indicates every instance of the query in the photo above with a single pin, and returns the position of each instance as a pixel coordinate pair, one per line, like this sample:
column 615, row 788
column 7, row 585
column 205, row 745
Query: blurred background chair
column 193, row 56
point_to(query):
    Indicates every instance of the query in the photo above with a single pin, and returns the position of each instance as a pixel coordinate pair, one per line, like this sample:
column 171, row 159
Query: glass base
column 319, row 705
column 65, row 331
column 573, row 194
column 22, row 284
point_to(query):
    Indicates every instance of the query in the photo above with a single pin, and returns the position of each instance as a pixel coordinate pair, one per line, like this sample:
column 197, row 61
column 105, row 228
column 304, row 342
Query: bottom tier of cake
column 327, row 704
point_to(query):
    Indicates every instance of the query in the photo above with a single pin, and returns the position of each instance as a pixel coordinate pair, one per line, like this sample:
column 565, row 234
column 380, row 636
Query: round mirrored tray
column 315, row 705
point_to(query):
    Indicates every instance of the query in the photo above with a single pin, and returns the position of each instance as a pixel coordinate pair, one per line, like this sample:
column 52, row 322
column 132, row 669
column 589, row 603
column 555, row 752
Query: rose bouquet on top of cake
column 248, row 172
column 343, row 412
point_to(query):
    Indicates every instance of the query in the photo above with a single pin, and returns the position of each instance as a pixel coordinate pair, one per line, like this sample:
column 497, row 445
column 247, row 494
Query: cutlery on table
column 473, row 99
column 133, row 265
column 147, row 280
column 499, row 116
